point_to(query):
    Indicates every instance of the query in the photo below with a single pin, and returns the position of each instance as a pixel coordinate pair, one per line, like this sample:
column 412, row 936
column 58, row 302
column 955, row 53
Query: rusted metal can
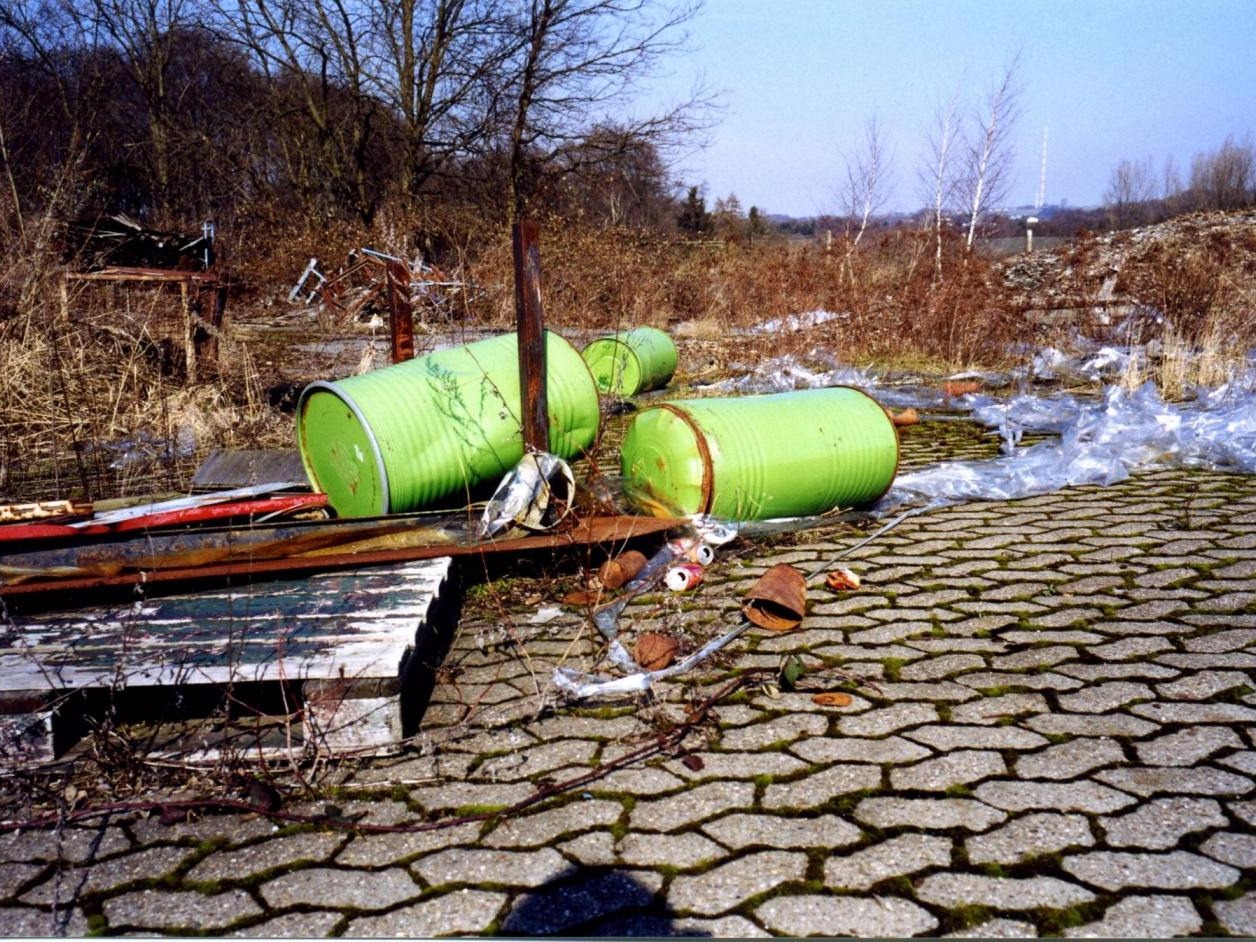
column 683, row 577
column 693, row 550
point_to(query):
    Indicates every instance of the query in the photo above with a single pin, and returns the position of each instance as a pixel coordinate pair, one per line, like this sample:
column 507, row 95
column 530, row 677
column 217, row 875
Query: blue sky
column 1110, row 79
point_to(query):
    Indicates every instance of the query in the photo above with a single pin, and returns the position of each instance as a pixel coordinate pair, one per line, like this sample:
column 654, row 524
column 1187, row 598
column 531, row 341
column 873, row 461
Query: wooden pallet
column 345, row 659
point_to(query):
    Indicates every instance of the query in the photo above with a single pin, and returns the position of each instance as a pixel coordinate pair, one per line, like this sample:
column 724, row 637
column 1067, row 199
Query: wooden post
column 400, row 310
column 189, row 330
column 525, row 237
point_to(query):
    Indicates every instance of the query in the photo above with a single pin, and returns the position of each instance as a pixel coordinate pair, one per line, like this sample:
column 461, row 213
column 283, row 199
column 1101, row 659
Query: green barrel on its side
column 757, row 457
column 631, row 362
column 409, row 435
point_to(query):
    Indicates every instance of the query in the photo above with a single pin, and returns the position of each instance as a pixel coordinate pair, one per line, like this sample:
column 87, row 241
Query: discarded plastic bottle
column 758, row 457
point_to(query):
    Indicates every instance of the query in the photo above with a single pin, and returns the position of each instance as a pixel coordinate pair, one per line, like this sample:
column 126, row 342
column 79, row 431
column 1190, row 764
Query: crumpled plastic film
column 1100, row 443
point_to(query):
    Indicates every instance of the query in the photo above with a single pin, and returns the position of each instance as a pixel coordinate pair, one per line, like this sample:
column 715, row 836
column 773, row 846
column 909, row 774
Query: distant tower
column 1042, row 178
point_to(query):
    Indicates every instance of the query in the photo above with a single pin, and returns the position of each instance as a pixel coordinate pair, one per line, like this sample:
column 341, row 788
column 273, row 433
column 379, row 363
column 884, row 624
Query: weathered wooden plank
column 336, row 638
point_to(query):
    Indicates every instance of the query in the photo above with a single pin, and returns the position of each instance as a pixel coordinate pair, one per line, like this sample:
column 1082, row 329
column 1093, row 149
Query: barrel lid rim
column 347, row 399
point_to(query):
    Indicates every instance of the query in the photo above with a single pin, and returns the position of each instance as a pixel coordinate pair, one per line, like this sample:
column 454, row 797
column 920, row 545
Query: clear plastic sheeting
column 818, row 370
column 1100, row 443
column 793, row 323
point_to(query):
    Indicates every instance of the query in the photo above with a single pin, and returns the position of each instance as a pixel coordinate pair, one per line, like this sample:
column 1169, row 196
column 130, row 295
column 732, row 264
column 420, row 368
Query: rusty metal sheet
column 314, row 550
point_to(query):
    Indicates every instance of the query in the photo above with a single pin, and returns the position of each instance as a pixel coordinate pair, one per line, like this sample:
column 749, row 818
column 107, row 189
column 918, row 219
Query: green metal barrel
column 626, row 363
column 409, row 435
column 753, row 458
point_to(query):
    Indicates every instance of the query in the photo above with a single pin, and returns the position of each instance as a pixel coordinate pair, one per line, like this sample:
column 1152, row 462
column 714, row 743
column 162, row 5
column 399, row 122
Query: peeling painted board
column 350, row 634
column 352, row 624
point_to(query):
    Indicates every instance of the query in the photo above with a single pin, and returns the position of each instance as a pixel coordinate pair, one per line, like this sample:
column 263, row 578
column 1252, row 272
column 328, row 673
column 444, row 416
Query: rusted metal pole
column 400, row 311
column 525, row 236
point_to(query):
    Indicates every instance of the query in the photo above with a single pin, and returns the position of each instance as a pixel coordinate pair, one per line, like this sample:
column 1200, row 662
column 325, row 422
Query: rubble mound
column 1181, row 268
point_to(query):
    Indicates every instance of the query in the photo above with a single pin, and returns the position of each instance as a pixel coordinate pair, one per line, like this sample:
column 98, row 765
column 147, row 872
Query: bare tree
column 1225, row 180
column 985, row 178
column 866, row 187
column 575, row 65
column 937, row 174
column 1131, row 188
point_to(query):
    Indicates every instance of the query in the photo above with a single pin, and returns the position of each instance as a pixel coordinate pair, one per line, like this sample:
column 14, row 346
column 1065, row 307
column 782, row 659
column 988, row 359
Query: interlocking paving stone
column 899, row 856
column 691, row 806
column 738, row 765
column 1195, row 713
column 892, row 749
column 984, row 680
column 947, row 645
column 538, row 760
column 822, row 786
column 1116, row 670
column 1161, row 823
column 595, row 849
column 1104, row 698
column 315, row 847
column 312, row 925
column 941, row 691
column 1187, row 746
column 650, row 780
column 1147, row 917
column 366, row 850
column 966, row 889
column 164, row 909
column 1237, row 916
column 1034, row 657
column 329, row 888
column 1236, row 661
column 457, row 794
column 1240, row 761
column 150, row 864
column 781, row 729
column 886, row 720
column 69, row 845
column 1221, row 641
column 935, row 814
column 1203, row 685
column 560, row 908
column 935, row 668
column 997, row 929
column 29, row 923
column 989, row 710
column 722, row 888
column 462, row 912
column 1177, row 870
column 1236, row 849
column 977, row 737
column 1070, row 759
column 1030, row 836
column 682, row 851
column 1016, row 795
column 483, row 866
column 1199, row 781
column 867, row 917
column 1128, row 648
column 542, row 828
column 746, row 830
column 955, row 768
column 232, row 829
column 1089, row 724
column 14, row 875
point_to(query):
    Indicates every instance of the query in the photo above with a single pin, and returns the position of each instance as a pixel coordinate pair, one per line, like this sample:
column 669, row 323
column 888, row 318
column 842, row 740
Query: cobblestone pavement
column 1050, row 732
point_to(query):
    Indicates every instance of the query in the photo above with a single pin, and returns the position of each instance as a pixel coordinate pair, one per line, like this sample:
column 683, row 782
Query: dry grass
column 74, row 393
